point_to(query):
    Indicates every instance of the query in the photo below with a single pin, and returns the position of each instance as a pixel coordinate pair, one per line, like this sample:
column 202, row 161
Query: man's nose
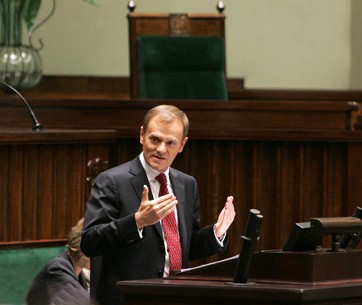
column 161, row 147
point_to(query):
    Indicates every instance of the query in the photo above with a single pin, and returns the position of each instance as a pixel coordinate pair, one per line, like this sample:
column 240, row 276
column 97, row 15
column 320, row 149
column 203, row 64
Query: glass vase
column 20, row 65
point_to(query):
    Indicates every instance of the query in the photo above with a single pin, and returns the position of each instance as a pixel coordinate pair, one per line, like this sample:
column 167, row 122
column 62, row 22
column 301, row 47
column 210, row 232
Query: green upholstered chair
column 18, row 267
column 181, row 67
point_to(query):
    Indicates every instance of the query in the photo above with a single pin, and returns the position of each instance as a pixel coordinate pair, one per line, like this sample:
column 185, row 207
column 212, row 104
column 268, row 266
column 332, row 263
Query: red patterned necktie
column 170, row 230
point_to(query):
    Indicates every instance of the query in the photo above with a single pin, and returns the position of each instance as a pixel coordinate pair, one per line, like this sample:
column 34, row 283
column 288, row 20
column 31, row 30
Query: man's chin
column 159, row 166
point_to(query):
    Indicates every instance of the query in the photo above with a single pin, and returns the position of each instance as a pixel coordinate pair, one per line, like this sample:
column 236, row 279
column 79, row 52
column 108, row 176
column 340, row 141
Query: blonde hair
column 167, row 113
column 74, row 238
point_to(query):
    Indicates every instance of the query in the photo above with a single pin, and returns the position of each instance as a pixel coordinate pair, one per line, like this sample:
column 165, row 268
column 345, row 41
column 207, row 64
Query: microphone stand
column 249, row 240
column 37, row 124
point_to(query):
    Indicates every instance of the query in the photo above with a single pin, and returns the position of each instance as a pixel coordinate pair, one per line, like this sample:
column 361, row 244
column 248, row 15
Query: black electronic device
column 300, row 238
column 249, row 239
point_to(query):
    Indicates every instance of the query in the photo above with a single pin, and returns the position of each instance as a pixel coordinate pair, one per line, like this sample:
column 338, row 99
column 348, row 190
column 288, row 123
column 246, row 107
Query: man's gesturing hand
column 226, row 217
column 152, row 211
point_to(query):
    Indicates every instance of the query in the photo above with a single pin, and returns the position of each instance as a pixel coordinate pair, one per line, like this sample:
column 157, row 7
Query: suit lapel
column 138, row 177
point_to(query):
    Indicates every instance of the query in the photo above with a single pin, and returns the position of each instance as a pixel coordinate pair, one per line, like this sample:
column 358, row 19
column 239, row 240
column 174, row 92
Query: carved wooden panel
column 43, row 188
column 94, row 168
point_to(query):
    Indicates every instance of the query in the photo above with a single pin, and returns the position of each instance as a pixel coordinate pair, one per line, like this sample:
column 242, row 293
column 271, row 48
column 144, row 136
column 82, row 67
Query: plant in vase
column 20, row 64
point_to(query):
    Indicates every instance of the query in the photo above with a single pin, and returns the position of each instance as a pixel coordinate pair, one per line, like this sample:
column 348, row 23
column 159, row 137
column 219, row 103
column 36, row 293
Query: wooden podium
column 276, row 277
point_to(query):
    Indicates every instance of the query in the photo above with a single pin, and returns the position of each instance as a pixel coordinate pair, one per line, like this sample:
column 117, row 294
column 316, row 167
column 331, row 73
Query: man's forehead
column 164, row 137
column 165, row 126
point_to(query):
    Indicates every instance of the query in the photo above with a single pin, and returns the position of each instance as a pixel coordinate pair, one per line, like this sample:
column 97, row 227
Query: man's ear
column 141, row 135
column 183, row 144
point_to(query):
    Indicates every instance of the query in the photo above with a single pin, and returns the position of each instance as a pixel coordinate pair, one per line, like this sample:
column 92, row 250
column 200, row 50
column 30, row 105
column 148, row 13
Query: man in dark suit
column 125, row 219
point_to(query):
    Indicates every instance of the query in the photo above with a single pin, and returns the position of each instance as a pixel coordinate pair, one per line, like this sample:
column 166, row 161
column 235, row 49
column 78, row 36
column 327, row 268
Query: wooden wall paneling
column 268, row 194
column 68, row 172
column 290, row 163
column 271, row 181
column 15, row 193
column 47, row 184
column 335, row 166
column 4, row 194
column 354, row 177
column 313, row 175
column 43, row 190
column 30, row 193
column 127, row 149
column 243, row 188
column 218, row 182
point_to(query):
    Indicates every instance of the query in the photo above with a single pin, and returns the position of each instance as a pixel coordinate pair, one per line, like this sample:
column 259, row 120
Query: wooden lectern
column 276, row 277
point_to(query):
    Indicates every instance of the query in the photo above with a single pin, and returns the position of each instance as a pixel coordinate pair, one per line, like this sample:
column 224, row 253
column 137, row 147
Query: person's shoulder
column 181, row 175
column 60, row 265
column 123, row 169
column 54, row 269
column 111, row 179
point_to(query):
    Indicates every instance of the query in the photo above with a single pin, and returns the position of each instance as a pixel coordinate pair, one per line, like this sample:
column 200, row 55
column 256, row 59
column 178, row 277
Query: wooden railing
column 24, row 244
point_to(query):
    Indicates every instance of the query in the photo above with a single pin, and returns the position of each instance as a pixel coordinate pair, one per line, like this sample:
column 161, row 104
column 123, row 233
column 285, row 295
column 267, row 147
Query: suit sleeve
column 109, row 222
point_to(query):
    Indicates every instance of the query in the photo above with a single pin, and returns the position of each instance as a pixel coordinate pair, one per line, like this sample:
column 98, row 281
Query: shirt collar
column 150, row 172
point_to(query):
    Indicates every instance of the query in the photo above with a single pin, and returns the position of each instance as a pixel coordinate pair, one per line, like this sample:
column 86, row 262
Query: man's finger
column 145, row 193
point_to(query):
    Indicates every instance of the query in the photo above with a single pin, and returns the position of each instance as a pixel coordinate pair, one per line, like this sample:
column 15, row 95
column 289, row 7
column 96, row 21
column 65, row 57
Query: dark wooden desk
column 277, row 277
column 210, row 291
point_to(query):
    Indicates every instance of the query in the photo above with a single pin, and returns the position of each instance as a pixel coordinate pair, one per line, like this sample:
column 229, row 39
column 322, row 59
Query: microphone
column 37, row 124
column 351, row 240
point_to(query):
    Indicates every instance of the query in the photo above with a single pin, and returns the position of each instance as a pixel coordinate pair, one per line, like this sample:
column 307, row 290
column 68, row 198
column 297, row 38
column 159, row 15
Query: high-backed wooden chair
column 177, row 56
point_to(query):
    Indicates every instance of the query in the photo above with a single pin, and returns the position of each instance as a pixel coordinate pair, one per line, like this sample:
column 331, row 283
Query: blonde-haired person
column 61, row 281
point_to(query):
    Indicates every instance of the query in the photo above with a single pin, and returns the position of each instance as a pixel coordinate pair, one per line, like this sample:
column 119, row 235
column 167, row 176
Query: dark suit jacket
column 110, row 228
column 57, row 284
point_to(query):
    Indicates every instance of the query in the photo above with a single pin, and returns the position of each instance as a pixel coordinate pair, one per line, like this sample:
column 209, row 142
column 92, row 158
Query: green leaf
column 31, row 9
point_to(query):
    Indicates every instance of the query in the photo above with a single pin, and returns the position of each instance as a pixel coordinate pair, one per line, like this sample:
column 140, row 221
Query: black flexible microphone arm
column 37, row 124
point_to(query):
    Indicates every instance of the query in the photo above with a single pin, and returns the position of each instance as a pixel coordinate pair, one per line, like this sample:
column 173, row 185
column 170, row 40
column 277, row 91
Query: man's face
column 161, row 142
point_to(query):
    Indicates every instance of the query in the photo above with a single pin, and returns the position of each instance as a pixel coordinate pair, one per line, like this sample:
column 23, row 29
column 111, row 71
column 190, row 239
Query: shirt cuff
column 140, row 233
column 221, row 239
